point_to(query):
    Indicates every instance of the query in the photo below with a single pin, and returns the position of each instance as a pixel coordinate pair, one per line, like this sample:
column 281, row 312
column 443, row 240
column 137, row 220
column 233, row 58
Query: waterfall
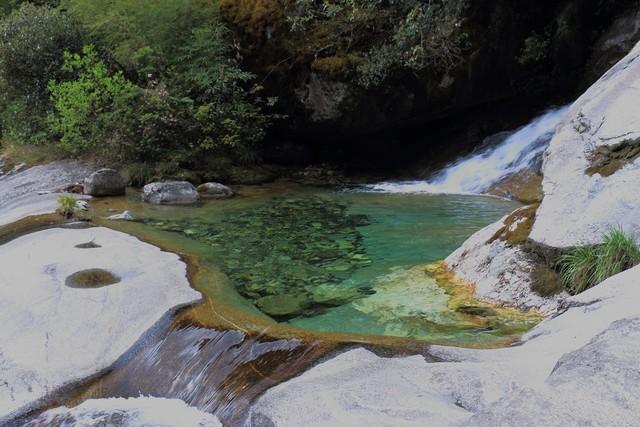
column 474, row 174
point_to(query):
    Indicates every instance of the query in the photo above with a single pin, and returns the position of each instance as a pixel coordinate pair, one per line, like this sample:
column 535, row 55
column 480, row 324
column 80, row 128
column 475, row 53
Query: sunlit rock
column 64, row 318
column 580, row 202
column 133, row 412
column 170, row 193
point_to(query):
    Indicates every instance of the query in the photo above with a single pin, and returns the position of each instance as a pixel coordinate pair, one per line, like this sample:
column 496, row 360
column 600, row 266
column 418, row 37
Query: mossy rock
column 607, row 160
column 283, row 305
column 517, row 226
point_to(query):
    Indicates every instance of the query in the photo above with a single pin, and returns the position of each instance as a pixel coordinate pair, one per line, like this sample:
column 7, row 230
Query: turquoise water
column 341, row 261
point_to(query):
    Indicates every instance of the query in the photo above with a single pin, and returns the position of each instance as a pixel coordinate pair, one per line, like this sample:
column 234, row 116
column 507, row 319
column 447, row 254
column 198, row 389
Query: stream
column 292, row 274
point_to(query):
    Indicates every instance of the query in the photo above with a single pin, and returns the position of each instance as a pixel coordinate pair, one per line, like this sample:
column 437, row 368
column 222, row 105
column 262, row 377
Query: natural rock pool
column 331, row 261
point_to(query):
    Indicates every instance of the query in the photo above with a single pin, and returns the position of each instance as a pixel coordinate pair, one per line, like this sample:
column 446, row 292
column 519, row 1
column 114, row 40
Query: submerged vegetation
column 289, row 256
column 586, row 266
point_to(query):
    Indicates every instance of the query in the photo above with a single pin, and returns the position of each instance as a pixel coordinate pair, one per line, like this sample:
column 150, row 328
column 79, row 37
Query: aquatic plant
column 67, row 205
column 586, row 266
column 290, row 256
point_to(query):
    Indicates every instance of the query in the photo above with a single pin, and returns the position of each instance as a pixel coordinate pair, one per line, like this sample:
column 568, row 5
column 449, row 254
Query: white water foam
column 477, row 172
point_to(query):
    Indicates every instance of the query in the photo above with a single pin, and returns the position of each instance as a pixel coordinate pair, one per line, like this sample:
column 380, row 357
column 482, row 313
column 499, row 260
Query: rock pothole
column 91, row 279
column 88, row 245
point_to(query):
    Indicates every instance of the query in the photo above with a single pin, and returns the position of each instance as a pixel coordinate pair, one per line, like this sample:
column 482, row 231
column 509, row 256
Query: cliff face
column 532, row 53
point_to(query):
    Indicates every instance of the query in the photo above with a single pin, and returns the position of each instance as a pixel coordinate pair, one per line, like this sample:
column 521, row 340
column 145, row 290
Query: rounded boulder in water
column 104, row 182
column 170, row 193
column 215, row 190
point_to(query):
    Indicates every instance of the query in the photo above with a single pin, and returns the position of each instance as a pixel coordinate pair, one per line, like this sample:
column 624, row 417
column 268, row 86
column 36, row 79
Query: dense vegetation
column 167, row 86
column 158, row 84
column 154, row 83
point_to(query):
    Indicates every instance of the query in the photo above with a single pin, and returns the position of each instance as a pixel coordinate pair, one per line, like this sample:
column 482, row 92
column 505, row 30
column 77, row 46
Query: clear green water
column 342, row 261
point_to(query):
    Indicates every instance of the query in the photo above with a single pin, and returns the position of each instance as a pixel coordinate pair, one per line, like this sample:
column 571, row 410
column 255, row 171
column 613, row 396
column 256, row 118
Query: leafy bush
column 586, row 266
column 67, row 205
column 96, row 108
column 142, row 36
column 32, row 44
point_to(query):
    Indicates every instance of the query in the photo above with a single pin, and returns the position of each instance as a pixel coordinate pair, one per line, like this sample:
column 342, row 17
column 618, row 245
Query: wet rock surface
column 54, row 334
column 170, row 193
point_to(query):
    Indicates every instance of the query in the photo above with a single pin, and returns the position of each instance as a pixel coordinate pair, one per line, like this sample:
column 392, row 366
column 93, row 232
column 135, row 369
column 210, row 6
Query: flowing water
column 489, row 164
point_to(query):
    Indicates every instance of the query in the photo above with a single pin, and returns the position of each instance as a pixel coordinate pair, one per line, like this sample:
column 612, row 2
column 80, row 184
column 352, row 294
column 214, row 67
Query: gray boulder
column 214, row 190
column 170, row 193
column 104, row 182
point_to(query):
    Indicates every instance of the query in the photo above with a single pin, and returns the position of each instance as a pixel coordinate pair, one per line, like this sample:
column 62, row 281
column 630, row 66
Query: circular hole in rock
column 92, row 278
column 88, row 245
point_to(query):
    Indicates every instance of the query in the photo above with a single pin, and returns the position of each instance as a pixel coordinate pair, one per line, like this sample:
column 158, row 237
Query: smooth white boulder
column 133, row 412
column 578, row 208
column 578, row 367
column 52, row 334
column 500, row 272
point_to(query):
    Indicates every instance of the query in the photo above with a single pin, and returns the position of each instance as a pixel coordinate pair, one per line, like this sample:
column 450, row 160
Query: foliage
column 536, row 48
column 179, row 96
column 382, row 36
column 32, row 42
column 586, row 266
column 93, row 108
column 142, row 36
column 67, row 205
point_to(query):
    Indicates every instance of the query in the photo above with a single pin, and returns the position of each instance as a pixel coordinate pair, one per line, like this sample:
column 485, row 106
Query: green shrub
column 33, row 40
column 95, row 109
column 67, row 205
column 586, row 266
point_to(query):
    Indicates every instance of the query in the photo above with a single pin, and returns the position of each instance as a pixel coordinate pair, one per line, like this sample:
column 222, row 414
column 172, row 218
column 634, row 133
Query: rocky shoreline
column 577, row 367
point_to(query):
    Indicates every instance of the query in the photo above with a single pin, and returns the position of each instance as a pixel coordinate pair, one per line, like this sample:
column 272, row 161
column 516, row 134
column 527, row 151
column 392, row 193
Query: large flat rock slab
column 578, row 207
column 53, row 334
column 32, row 191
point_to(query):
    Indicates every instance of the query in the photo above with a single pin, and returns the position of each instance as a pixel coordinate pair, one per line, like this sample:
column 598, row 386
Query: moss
column 335, row 67
column 259, row 19
column 517, row 226
column 546, row 282
column 607, row 160
column 92, row 278
column 525, row 187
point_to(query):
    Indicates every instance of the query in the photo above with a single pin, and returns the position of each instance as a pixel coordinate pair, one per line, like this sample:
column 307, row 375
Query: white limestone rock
column 52, row 334
column 133, row 412
column 33, row 191
column 578, row 208
column 501, row 273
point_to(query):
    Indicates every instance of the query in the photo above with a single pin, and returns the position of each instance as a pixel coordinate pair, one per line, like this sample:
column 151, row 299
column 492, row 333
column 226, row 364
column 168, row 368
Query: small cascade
column 491, row 163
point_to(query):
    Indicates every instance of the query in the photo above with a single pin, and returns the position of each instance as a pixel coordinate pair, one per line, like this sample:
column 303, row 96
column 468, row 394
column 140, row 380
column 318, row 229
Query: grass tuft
column 586, row 266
